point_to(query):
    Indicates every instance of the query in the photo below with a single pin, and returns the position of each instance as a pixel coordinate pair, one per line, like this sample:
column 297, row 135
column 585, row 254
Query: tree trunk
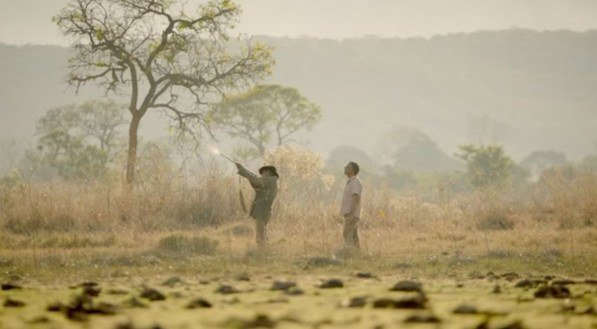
column 132, row 153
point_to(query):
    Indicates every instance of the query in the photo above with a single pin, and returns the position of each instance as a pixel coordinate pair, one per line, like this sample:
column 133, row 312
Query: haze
column 29, row 21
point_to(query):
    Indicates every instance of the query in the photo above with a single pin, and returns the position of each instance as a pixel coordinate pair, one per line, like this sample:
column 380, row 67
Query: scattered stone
column 172, row 281
column 9, row 302
column 552, row 291
column 260, row 321
column 294, row 291
column 88, row 284
column 283, row 285
column 422, row 318
column 10, row 286
column 331, row 283
column 55, row 307
column 407, row 286
column 354, row 302
column 198, row 303
column 412, row 302
column 465, row 309
column 134, row 302
column 117, row 292
column 497, row 289
column 226, row 290
column 92, row 291
column 39, row 320
column 365, row 275
column 323, row 262
column 152, row 294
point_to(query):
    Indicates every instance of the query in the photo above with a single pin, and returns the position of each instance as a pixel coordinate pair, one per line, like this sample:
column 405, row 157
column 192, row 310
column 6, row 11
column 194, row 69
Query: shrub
column 180, row 244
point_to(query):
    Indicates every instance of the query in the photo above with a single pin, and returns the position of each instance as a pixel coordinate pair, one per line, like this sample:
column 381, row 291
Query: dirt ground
column 328, row 295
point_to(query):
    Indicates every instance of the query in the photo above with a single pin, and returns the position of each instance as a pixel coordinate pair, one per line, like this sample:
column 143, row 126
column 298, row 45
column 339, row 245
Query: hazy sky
column 29, row 21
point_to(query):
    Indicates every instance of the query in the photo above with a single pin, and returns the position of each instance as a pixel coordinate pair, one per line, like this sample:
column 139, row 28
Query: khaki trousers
column 261, row 232
column 350, row 233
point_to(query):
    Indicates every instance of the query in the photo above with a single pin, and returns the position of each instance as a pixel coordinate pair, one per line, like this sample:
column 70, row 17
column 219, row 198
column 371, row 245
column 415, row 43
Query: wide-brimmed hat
column 271, row 169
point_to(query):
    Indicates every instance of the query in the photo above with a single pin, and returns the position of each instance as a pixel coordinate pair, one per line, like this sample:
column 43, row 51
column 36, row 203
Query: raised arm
column 246, row 173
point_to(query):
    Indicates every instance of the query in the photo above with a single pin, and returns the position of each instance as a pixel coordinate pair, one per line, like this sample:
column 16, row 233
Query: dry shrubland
column 552, row 221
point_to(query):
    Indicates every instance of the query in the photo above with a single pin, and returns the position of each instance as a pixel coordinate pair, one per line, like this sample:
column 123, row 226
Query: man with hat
column 266, row 189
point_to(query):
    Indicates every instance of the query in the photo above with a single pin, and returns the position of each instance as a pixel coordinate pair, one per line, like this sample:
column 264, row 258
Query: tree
column 80, row 140
column 155, row 53
column 488, row 166
column 538, row 161
column 264, row 113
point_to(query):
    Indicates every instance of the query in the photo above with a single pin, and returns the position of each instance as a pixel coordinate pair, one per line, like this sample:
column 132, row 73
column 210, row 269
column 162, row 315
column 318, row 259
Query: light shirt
column 353, row 186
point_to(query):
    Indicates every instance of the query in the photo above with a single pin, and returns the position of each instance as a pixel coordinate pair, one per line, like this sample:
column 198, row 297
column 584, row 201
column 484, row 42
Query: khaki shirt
column 353, row 186
column 266, row 189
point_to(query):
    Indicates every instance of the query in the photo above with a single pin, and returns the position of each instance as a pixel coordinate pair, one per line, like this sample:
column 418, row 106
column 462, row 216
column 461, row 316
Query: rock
column 365, row 275
column 279, row 300
column 40, row 319
column 134, row 302
column 411, row 302
column 203, row 282
column 323, row 262
column 497, row 289
column 422, row 318
column 55, row 307
column 403, row 266
column 117, row 292
column 10, row 286
column 152, row 294
column 91, row 291
column 226, row 290
column 465, row 309
column 294, row 291
column 88, row 284
column 591, row 281
column 552, row 291
column 354, row 302
column 460, row 285
column 198, row 303
column 260, row 321
column 9, row 302
column 331, row 283
column 172, row 281
column 584, row 310
column 283, row 285
column 407, row 286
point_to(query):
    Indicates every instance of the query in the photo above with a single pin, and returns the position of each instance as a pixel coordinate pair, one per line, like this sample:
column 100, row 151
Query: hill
column 524, row 89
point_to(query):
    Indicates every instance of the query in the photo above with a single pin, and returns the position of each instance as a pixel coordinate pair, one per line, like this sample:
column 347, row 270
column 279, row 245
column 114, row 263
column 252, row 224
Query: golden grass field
column 459, row 245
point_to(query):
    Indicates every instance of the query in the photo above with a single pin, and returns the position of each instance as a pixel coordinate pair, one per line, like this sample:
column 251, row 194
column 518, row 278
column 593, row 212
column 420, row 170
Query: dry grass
column 49, row 226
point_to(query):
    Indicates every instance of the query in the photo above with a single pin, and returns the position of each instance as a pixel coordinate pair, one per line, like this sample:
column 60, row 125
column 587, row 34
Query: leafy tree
column 538, row 161
column 155, row 52
column 488, row 166
column 266, row 114
column 80, row 140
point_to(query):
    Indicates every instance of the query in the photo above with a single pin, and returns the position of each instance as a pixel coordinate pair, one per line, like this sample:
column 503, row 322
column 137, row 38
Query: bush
column 180, row 244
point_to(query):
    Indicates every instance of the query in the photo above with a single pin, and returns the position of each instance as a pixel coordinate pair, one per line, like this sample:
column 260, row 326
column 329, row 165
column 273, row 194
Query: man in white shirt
column 351, row 206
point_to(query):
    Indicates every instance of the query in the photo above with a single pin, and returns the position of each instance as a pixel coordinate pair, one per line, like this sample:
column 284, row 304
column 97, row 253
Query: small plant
column 180, row 244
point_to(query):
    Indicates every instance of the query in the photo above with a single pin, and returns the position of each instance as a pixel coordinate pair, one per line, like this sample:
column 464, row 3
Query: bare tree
column 155, row 53
column 267, row 114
